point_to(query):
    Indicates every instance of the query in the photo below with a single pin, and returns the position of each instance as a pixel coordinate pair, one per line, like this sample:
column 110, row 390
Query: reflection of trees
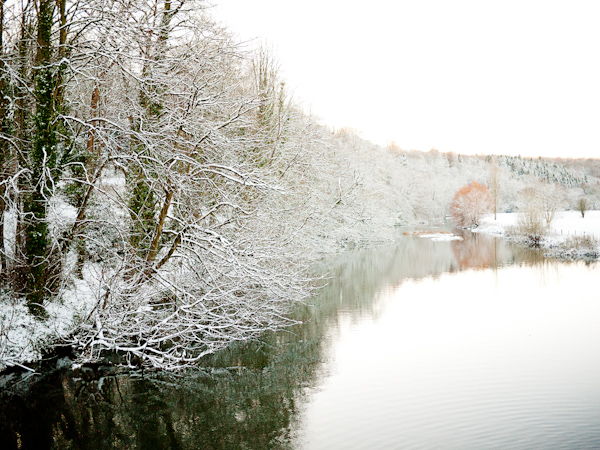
column 476, row 252
column 479, row 251
column 251, row 401
column 247, row 410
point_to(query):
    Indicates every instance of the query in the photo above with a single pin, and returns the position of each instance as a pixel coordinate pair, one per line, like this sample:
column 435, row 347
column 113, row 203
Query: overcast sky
column 510, row 77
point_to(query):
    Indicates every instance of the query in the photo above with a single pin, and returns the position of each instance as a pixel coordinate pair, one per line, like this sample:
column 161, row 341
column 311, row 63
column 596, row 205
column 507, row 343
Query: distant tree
column 531, row 222
column 393, row 146
column 551, row 198
column 495, row 183
column 582, row 206
column 470, row 203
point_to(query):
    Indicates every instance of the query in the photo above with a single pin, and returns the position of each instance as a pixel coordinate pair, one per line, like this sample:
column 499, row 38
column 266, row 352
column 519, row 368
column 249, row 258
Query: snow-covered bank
column 568, row 236
column 24, row 338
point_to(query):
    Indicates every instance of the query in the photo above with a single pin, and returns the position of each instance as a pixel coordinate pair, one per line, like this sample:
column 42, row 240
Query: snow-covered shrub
column 579, row 243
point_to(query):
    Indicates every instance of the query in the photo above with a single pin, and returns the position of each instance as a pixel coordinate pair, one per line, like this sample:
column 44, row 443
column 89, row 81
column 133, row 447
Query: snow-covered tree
column 151, row 151
column 494, row 183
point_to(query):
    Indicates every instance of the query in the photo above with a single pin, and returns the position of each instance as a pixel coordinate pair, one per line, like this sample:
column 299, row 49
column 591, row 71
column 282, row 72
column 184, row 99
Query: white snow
column 447, row 237
column 566, row 223
column 497, row 226
column 22, row 336
column 441, row 237
column 570, row 223
column 566, row 227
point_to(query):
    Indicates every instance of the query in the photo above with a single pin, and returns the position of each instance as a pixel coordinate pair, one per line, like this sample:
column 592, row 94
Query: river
column 422, row 344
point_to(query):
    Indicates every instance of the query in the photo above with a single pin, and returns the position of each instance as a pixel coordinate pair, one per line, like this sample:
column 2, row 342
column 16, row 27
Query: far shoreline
column 569, row 237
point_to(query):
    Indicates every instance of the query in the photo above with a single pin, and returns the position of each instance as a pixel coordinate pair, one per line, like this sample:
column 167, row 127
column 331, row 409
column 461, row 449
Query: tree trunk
column 159, row 226
column 4, row 149
column 91, row 142
column 23, row 141
column 42, row 158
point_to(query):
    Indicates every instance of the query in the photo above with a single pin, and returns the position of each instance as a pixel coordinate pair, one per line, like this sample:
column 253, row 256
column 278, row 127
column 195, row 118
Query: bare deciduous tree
column 470, row 203
column 582, row 206
column 552, row 198
column 531, row 221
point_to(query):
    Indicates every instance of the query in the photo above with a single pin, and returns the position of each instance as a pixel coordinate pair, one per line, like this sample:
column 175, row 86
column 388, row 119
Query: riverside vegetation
column 162, row 194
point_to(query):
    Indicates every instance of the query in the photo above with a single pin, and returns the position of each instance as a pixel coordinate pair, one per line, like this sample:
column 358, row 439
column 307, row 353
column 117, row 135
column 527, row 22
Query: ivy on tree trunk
column 42, row 160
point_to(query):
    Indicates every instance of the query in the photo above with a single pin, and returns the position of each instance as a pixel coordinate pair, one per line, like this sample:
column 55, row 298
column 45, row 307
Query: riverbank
column 23, row 339
column 570, row 236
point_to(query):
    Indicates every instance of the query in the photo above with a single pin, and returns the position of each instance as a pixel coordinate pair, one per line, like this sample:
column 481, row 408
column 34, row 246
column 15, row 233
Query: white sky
column 510, row 77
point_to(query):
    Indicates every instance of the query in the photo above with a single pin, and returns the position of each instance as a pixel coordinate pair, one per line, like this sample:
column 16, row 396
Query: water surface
column 446, row 345
column 506, row 358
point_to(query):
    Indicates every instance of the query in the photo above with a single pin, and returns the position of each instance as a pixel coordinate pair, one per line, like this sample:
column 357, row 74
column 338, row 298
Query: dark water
column 459, row 345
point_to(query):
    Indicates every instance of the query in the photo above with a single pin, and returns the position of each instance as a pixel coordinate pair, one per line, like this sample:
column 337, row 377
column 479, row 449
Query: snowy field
column 566, row 231
column 566, row 223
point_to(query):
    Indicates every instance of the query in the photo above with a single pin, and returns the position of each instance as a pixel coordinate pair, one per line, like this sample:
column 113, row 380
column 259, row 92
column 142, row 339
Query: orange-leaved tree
column 469, row 203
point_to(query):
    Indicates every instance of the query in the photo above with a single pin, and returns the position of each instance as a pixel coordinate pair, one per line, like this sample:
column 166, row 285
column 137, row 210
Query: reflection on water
column 477, row 359
column 403, row 348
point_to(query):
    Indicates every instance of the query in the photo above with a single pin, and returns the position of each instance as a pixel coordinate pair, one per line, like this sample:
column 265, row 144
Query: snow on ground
column 566, row 223
column 22, row 336
column 569, row 223
column 497, row 226
column 435, row 235
column 441, row 237
column 569, row 234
